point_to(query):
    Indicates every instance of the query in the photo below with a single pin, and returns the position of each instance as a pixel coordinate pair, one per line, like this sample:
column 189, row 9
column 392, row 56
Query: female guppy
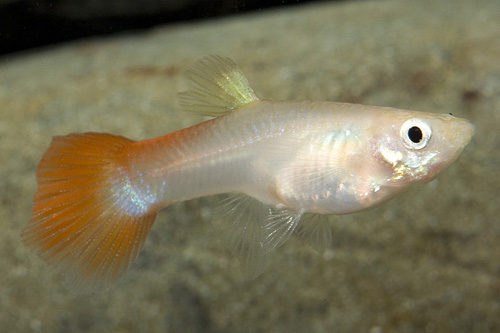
column 98, row 194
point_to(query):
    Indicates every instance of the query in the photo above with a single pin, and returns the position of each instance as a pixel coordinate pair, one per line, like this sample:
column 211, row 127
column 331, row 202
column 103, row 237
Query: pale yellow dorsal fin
column 216, row 86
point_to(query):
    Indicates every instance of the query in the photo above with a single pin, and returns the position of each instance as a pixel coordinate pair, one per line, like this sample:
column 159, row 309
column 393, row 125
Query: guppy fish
column 98, row 194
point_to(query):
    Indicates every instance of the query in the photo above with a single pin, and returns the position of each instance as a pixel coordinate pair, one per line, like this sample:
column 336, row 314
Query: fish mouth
column 464, row 130
column 458, row 135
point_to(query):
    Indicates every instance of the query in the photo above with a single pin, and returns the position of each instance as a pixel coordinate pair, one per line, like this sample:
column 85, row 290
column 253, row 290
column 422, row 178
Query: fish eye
column 415, row 133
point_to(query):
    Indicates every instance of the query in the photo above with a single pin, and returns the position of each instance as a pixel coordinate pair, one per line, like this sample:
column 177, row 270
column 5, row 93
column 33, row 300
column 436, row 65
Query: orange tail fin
column 81, row 220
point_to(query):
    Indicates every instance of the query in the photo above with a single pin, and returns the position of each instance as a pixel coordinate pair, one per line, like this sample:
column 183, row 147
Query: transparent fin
column 316, row 230
column 253, row 229
column 216, row 86
column 241, row 220
column 281, row 223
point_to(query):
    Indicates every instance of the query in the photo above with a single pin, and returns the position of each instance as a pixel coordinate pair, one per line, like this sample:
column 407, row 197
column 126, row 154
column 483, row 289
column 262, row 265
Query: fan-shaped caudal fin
column 83, row 221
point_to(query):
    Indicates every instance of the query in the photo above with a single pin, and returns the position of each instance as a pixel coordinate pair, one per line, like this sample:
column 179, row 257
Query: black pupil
column 415, row 134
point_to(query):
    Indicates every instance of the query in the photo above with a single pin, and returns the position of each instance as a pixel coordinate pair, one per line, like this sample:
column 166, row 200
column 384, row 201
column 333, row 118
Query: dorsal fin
column 216, row 86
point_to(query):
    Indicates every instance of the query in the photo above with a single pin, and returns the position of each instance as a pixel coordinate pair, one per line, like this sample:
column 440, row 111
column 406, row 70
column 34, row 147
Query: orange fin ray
column 79, row 222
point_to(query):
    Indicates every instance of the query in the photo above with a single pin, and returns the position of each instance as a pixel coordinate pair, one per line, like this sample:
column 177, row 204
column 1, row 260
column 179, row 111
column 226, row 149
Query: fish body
column 284, row 163
column 318, row 157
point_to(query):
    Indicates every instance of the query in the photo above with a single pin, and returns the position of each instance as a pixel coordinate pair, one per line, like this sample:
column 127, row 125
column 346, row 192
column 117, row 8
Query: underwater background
column 428, row 260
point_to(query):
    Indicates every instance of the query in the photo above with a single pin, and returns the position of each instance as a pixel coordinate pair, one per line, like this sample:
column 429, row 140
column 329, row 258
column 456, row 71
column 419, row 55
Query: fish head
column 417, row 146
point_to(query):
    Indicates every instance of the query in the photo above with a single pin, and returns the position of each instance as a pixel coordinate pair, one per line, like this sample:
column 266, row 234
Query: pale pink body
column 317, row 157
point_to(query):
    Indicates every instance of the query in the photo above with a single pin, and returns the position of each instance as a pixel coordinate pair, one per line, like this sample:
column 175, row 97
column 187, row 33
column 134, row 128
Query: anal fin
column 254, row 229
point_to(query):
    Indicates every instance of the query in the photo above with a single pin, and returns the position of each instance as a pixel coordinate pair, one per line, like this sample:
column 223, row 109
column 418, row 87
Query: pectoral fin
column 316, row 230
